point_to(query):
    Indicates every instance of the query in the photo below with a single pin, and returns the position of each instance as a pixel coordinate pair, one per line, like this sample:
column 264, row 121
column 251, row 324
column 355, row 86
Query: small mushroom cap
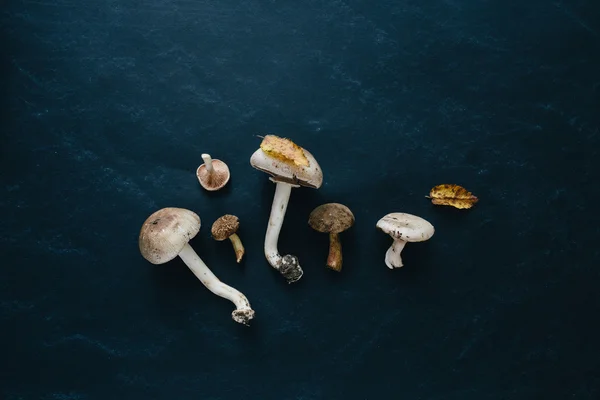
column 166, row 232
column 407, row 227
column 215, row 181
column 224, row 227
column 331, row 218
column 287, row 162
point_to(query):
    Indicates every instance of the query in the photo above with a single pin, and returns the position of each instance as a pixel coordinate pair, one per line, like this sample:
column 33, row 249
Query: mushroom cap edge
column 407, row 227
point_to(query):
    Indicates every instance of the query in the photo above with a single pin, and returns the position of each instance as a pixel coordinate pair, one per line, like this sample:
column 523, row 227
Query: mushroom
column 165, row 235
column 332, row 218
column 213, row 174
column 226, row 228
column 403, row 228
column 290, row 166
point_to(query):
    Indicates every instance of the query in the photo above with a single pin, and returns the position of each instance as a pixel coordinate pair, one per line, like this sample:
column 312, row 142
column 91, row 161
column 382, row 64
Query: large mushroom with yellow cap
column 290, row 166
column 165, row 235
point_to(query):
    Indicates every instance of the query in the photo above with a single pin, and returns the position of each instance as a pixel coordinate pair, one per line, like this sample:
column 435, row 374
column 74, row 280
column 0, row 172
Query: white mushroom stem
column 278, row 209
column 393, row 258
column 243, row 313
column 208, row 163
column 287, row 265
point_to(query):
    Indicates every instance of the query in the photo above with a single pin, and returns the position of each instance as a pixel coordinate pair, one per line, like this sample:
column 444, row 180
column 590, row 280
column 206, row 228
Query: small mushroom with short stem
column 332, row 218
column 213, row 174
column 403, row 228
column 290, row 166
column 226, row 227
column 165, row 235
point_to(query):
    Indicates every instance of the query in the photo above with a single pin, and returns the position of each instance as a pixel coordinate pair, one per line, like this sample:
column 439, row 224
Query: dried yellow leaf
column 452, row 195
column 285, row 150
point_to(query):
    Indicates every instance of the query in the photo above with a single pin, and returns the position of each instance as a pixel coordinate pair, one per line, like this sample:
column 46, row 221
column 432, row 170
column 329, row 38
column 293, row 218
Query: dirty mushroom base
column 290, row 269
column 243, row 316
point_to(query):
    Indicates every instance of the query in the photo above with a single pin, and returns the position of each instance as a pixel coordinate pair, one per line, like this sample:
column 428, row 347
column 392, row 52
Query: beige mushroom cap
column 407, row 227
column 215, row 181
column 331, row 218
column 306, row 173
column 224, row 227
column 166, row 232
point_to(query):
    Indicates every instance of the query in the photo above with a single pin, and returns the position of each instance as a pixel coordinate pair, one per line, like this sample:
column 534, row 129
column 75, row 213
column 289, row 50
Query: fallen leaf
column 284, row 149
column 452, row 195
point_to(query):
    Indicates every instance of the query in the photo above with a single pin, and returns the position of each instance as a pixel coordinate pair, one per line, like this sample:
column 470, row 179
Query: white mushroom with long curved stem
column 165, row 235
column 290, row 166
column 403, row 228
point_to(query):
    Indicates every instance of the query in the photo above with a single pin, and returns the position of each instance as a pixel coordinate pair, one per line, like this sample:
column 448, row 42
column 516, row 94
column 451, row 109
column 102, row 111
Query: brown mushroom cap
column 166, row 232
column 224, row 227
column 215, row 181
column 331, row 218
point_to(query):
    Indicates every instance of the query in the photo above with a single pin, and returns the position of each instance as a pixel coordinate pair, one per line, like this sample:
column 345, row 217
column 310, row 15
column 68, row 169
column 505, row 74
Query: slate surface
column 107, row 106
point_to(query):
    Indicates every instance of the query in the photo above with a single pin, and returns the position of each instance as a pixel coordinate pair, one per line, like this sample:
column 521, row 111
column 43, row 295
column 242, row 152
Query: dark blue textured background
column 108, row 104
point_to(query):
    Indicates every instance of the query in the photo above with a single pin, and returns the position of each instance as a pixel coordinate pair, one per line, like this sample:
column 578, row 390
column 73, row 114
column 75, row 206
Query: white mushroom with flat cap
column 165, row 235
column 403, row 228
column 290, row 166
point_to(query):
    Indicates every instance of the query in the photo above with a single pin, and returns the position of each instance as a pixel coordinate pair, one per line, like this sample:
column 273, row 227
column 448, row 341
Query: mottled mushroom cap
column 224, row 227
column 166, row 232
column 287, row 162
column 215, row 181
column 407, row 227
column 331, row 218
